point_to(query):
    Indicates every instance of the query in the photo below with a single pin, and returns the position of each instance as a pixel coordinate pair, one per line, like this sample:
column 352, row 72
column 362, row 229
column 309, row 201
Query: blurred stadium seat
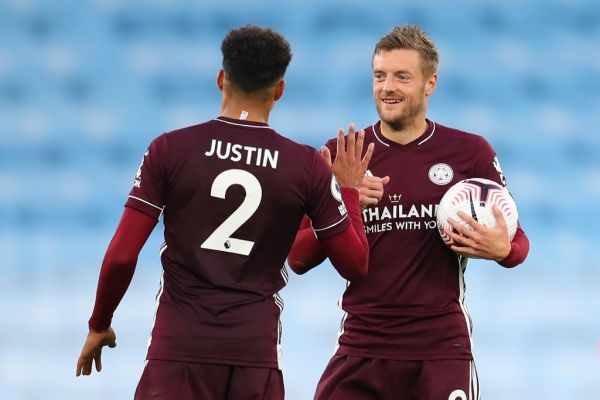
column 85, row 86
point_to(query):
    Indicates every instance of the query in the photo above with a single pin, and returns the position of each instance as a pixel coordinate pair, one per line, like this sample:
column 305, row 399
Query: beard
column 413, row 107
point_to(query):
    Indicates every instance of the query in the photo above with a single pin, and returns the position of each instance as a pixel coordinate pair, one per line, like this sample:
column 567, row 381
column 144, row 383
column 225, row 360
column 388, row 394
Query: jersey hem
column 344, row 351
column 219, row 361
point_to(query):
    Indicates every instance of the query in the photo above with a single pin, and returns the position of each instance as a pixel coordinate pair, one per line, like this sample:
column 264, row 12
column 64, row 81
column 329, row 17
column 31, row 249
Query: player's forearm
column 114, row 280
column 306, row 252
column 349, row 250
column 519, row 248
column 118, row 265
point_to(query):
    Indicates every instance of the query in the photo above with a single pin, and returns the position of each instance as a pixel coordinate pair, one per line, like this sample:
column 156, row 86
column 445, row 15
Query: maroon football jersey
column 411, row 304
column 233, row 194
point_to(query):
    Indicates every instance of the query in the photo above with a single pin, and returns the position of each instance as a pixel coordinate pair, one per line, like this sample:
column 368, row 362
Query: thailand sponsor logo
column 394, row 198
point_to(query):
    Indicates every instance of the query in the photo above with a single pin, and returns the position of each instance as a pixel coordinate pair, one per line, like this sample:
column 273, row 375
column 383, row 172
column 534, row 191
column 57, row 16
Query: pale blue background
column 85, row 86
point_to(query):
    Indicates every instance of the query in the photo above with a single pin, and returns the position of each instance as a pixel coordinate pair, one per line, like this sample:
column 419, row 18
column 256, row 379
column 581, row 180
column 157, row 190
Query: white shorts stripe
column 471, row 380
column 477, row 395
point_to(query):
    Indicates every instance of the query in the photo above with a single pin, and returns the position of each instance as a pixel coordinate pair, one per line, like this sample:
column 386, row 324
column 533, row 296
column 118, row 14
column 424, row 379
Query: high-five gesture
column 348, row 167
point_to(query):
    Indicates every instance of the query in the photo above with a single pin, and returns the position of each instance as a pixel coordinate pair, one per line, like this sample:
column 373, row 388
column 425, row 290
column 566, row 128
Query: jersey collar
column 242, row 122
column 428, row 134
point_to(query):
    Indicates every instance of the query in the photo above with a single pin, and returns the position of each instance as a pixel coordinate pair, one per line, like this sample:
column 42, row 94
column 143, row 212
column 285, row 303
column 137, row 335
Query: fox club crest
column 441, row 174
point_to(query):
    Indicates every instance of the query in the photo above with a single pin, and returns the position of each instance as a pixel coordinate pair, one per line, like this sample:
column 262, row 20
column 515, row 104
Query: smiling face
column 400, row 90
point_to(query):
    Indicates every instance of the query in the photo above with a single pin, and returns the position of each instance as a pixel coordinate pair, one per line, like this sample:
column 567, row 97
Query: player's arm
column 349, row 250
column 519, row 249
column 116, row 273
column 490, row 243
column 308, row 252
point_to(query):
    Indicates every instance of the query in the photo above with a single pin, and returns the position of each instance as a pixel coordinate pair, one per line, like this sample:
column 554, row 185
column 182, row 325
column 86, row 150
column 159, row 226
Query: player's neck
column 408, row 133
column 241, row 107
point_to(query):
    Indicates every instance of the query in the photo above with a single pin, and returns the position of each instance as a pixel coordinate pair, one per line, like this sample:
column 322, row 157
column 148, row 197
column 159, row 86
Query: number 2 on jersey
column 220, row 239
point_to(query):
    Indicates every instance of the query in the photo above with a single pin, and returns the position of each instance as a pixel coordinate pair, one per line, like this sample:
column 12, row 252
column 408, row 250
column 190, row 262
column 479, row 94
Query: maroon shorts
column 356, row 378
column 166, row 380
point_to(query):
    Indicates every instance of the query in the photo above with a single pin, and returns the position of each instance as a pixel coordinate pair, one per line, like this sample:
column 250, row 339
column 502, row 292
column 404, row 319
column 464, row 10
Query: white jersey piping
column 377, row 136
column 158, row 296
column 418, row 144
column 244, row 125
column 428, row 137
column 462, row 265
column 146, row 202
column 330, row 226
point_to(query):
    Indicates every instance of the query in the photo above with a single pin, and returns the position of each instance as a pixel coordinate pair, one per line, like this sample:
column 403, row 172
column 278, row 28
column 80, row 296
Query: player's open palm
column 479, row 241
column 92, row 350
column 349, row 167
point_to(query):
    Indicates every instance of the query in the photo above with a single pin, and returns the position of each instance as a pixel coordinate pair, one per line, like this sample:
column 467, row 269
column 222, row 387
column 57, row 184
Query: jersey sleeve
column 519, row 249
column 325, row 206
column 149, row 186
column 488, row 165
column 489, row 168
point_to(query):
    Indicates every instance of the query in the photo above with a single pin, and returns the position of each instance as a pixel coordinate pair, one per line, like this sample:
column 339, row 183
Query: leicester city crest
column 441, row 174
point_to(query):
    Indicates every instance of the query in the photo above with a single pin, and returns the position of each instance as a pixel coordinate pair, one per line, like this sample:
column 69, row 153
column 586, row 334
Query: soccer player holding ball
column 406, row 332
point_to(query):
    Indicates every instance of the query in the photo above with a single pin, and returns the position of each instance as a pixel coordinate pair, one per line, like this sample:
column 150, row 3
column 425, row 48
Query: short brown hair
column 411, row 37
column 255, row 57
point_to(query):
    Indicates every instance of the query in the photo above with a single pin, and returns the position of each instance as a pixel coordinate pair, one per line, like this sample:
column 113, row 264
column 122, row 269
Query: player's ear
column 279, row 90
column 431, row 84
column 220, row 79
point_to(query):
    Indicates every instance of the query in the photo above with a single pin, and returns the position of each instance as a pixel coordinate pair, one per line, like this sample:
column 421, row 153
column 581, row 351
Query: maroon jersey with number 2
column 233, row 194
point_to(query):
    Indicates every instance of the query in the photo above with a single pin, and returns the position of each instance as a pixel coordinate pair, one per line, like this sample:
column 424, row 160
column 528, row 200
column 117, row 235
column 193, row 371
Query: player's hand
column 92, row 350
column 326, row 155
column 479, row 241
column 349, row 168
column 371, row 190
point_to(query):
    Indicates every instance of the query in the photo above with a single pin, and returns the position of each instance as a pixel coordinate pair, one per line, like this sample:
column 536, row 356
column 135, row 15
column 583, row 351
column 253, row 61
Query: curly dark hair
column 254, row 57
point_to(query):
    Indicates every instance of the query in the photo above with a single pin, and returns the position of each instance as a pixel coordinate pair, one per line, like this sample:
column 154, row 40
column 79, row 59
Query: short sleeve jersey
column 411, row 304
column 233, row 194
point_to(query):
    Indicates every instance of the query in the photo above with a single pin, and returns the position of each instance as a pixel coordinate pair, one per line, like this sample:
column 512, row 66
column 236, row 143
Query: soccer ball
column 475, row 197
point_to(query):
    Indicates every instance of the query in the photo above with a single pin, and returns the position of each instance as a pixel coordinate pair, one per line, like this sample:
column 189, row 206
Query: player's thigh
column 449, row 380
column 166, row 380
column 182, row 381
column 250, row 383
column 160, row 379
column 356, row 378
